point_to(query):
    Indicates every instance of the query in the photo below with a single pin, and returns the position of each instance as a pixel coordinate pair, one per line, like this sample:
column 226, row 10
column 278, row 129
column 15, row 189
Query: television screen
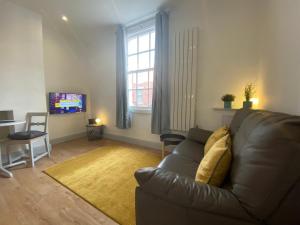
column 61, row 103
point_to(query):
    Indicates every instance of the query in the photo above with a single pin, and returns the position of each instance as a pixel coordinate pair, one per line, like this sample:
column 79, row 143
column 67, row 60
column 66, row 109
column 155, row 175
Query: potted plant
column 228, row 99
column 248, row 93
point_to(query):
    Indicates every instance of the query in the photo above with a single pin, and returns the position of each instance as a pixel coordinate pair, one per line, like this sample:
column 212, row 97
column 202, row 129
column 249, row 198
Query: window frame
column 149, row 30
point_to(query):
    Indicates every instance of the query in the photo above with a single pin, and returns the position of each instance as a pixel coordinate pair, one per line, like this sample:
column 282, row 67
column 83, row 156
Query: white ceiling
column 94, row 12
column 89, row 18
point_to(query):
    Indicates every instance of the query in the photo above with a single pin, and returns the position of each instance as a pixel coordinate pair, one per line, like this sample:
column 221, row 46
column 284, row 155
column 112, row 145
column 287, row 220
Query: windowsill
column 141, row 110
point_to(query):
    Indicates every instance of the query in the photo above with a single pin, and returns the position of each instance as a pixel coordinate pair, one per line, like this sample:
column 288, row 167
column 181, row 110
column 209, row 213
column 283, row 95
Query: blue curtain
column 123, row 120
column 161, row 104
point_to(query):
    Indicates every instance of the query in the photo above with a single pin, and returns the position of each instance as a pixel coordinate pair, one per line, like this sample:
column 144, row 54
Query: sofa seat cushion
column 26, row 135
column 180, row 165
column 191, row 150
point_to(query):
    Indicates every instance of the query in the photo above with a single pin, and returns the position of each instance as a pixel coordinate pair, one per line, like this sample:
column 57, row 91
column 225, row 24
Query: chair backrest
column 4, row 131
column 42, row 122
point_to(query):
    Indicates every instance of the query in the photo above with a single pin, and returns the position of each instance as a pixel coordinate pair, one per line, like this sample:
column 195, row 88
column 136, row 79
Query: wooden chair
column 30, row 137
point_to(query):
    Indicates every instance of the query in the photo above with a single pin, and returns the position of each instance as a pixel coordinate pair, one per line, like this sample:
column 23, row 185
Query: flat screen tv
column 63, row 103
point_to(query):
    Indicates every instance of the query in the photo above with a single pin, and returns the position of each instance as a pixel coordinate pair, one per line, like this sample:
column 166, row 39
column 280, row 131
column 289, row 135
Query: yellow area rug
column 104, row 177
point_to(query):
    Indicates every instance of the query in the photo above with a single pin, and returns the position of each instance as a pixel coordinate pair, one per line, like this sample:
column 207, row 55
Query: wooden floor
column 33, row 198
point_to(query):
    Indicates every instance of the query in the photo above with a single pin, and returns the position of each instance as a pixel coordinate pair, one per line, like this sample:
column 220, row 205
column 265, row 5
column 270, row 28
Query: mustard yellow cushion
column 216, row 163
column 217, row 135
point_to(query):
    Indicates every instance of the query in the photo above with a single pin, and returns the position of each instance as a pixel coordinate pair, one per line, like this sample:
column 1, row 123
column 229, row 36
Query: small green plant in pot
column 248, row 93
column 228, row 99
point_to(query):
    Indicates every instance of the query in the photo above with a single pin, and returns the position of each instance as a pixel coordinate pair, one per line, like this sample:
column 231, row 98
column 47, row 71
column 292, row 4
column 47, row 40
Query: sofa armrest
column 199, row 135
column 186, row 192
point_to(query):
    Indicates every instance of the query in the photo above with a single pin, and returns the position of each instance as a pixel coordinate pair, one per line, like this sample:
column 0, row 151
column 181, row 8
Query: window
column 141, row 51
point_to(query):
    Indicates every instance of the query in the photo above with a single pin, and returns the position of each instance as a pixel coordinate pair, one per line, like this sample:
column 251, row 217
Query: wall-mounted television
column 63, row 103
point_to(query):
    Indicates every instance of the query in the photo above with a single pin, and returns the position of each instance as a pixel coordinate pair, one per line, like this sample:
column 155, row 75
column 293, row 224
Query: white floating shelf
column 226, row 110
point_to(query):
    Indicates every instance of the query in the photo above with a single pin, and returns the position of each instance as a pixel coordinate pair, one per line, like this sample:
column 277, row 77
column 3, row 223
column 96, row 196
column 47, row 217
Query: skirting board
column 129, row 140
column 148, row 144
column 67, row 138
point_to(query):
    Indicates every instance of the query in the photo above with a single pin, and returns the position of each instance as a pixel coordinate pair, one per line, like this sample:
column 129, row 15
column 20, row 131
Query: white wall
column 229, row 51
column 36, row 58
column 228, row 60
column 241, row 41
column 22, row 84
column 104, row 90
column 65, row 71
column 281, row 55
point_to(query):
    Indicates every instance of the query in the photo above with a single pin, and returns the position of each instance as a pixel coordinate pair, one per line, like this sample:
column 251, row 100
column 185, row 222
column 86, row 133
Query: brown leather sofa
column 263, row 186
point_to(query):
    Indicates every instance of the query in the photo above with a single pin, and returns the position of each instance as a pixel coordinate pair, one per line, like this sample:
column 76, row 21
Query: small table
column 94, row 131
column 7, row 123
column 170, row 139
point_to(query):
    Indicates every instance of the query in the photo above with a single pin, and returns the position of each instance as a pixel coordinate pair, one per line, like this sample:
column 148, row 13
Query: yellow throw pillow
column 216, row 163
column 217, row 135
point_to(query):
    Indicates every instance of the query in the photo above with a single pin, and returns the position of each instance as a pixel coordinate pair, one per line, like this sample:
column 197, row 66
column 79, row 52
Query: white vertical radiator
column 183, row 79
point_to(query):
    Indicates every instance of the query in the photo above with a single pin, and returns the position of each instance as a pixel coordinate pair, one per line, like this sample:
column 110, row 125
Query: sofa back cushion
column 238, row 119
column 266, row 156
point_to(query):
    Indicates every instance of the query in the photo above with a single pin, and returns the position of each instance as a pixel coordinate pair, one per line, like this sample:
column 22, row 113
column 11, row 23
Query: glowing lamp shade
column 255, row 101
column 98, row 121
column 65, row 18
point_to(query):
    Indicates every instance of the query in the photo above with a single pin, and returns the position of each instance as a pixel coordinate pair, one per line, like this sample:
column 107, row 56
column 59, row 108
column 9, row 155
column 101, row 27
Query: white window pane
column 140, row 83
column 131, row 78
column 144, row 43
column 134, row 81
column 151, row 79
column 150, row 97
column 139, row 97
column 132, row 46
column 130, row 102
column 142, row 80
column 129, row 81
column 142, row 98
column 132, row 63
column 153, row 40
column 144, row 61
column 132, row 97
column 152, row 59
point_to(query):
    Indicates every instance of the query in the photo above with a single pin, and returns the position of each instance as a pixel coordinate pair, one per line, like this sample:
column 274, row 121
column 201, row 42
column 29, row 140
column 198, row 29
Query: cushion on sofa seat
column 180, row 165
column 216, row 163
column 216, row 136
column 191, row 150
column 26, row 135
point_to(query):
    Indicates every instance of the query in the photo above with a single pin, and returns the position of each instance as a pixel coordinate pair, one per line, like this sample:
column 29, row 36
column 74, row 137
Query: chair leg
column 163, row 150
column 47, row 146
column 31, row 155
column 3, row 171
column 6, row 148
